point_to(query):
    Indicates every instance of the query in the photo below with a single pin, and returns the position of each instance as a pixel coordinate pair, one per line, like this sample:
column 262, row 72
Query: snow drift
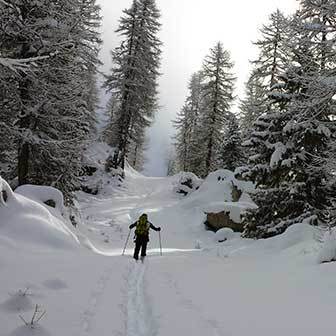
column 26, row 220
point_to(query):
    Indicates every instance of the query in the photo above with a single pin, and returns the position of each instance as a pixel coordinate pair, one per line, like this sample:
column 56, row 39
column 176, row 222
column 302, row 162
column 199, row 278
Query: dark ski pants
column 140, row 243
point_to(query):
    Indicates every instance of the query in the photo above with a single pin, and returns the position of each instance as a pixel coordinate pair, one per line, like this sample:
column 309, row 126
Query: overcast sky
column 189, row 29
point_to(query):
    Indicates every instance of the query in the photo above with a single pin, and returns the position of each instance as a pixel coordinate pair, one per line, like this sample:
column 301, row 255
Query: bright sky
column 189, row 29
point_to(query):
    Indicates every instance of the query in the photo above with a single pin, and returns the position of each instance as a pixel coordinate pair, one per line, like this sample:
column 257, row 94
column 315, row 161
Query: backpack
column 142, row 227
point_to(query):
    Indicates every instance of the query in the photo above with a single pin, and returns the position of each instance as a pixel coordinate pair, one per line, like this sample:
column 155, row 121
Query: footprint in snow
column 55, row 284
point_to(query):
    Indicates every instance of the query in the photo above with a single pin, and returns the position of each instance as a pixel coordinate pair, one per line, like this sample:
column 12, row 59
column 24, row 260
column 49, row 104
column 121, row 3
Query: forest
column 282, row 138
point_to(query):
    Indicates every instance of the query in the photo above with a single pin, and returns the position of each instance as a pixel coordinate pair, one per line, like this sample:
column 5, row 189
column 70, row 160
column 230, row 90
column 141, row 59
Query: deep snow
column 198, row 287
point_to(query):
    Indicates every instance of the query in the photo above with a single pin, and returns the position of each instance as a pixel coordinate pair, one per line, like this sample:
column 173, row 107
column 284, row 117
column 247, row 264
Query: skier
column 142, row 226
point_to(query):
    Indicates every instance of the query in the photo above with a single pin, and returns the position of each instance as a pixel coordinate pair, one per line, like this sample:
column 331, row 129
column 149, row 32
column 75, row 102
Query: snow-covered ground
column 198, row 287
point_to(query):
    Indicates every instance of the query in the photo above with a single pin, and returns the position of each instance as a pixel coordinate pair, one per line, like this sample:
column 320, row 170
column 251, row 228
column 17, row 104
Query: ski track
column 213, row 327
column 88, row 315
column 139, row 319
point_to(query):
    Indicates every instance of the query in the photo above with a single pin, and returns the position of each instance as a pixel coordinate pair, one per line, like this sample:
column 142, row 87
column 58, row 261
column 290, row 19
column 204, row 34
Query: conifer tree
column 253, row 105
column 187, row 147
column 49, row 102
column 298, row 183
column 231, row 153
column 217, row 98
column 134, row 76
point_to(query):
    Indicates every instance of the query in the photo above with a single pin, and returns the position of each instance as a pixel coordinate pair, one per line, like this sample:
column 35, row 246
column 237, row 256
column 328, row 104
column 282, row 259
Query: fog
column 189, row 29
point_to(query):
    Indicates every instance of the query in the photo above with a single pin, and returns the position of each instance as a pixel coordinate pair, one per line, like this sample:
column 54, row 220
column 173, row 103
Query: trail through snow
column 198, row 287
column 139, row 318
column 217, row 290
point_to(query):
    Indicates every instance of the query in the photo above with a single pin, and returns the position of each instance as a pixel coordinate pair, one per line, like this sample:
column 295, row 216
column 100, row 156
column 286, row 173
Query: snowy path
column 217, row 291
column 139, row 318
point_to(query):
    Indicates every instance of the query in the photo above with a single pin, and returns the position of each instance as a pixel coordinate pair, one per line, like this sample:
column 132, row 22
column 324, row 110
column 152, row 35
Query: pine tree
column 134, row 75
column 231, row 154
column 217, row 98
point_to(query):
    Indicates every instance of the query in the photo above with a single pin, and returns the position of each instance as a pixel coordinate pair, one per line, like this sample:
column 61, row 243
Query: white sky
column 189, row 29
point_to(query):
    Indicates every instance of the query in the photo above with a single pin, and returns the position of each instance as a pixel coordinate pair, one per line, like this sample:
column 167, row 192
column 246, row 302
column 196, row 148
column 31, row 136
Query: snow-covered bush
column 224, row 234
column 187, row 183
column 328, row 251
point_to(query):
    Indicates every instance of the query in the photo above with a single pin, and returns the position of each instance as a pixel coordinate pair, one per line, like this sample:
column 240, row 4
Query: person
column 142, row 226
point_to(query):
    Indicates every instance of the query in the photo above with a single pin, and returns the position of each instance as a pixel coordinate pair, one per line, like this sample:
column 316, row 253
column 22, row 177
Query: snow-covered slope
column 198, row 287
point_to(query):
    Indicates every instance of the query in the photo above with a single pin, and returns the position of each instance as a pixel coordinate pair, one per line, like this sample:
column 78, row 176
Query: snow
column 280, row 150
column 28, row 221
column 328, row 251
column 234, row 287
column 225, row 234
column 215, row 195
column 43, row 194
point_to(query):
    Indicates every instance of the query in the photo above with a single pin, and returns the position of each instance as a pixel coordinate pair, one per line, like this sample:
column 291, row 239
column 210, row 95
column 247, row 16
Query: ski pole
column 160, row 243
column 129, row 233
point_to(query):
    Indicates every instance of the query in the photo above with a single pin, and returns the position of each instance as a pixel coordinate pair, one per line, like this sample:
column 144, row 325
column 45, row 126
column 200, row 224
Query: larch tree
column 253, row 105
column 186, row 123
column 49, row 102
column 133, row 78
column 217, row 97
column 265, row 85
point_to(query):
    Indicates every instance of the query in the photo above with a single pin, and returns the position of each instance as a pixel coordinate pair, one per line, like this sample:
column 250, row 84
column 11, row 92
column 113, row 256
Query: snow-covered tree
column 231, row 153
column 265, row 85
column 217, row 97
column 52, row 102
column 133, row 78
column 273, row 51
column 187, row 148
column 298, row 183
column 253, row 105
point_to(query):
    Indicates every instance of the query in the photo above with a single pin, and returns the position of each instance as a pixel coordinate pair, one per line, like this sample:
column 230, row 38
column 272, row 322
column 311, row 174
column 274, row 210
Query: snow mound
column 43, row 194
column 186, row 183
column 328, row 251
column 297, row 237
column 96, row 179
column 225, row 234
column 30, row 222
column 215, row 195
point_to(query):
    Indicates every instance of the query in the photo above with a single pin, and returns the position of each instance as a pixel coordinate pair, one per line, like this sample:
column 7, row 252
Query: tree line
column 283, row 138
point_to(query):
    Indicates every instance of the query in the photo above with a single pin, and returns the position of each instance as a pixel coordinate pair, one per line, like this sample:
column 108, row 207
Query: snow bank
column 296, row 237
column 28, row 221
column 328, row 251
